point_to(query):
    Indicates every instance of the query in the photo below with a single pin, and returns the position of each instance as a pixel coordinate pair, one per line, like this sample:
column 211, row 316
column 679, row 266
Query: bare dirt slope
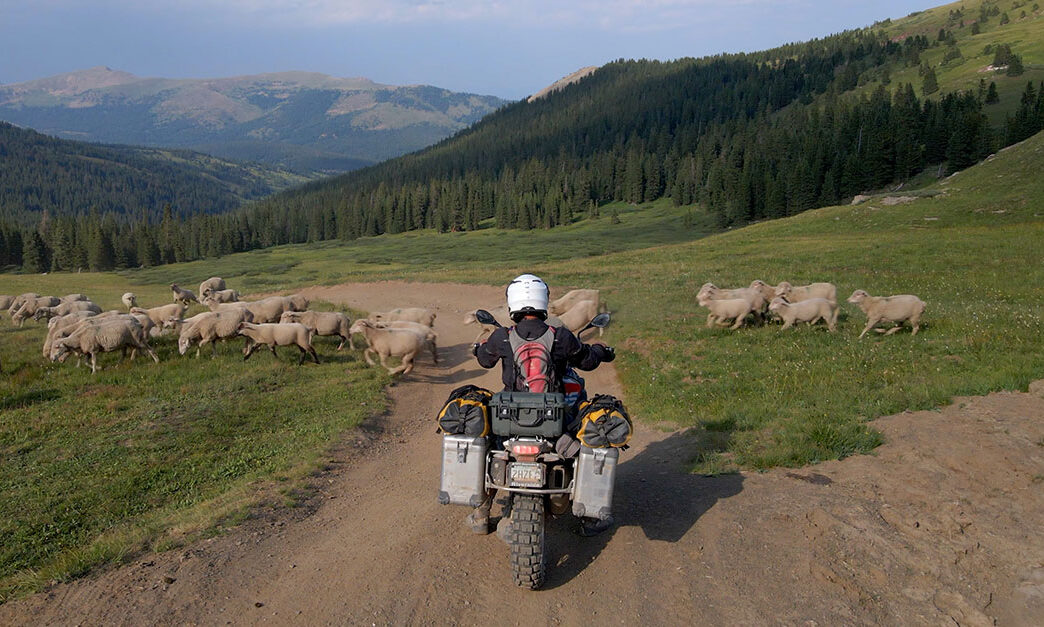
column 941, row 526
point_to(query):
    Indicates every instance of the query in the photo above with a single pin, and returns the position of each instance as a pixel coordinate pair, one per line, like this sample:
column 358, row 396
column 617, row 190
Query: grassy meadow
column 146, row 455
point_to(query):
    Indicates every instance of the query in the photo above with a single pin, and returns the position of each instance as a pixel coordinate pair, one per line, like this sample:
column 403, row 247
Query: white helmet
column 527, row 294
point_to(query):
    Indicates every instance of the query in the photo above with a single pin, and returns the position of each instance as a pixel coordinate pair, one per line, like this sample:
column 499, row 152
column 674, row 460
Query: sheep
column 177, row 324
column 29, row 307
column 58, row 324
column 66, row 308
column 500, row 313
column 811, row 311
column 161, row 313
column 752, row 294
column 795, row 294
column 72, row 298
column 579, row 315
column 129, row 300
column 264, row 311
column 389, row 343
column 5, row 301
column 323, row 323
column 182, row 295
column 213, row 284
column 410, row 314
column 210, row 327
column 105, row 336
column 897, row 309
column 278, row 334
column 725, row 309
column 296, row 302
column 18, row 301
column 571, row 298
column 425, row 333
column 221, row 296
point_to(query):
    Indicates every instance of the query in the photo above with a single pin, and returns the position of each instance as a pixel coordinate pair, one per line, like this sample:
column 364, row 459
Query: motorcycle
column 535, row 478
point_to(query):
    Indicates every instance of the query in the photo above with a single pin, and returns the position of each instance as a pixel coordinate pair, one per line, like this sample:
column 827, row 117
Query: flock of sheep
column 75, row 325
column 805, row 303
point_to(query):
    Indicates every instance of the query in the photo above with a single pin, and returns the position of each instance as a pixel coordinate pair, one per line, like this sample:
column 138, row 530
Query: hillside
column 302, row 121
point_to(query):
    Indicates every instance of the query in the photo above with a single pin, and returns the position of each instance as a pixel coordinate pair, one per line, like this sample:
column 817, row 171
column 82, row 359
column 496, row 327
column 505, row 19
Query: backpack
column 466, row 412
column 534, row 371
column 604, row 423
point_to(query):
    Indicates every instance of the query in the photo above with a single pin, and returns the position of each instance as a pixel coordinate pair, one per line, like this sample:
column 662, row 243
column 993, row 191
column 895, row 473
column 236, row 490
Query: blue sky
column 507, row 48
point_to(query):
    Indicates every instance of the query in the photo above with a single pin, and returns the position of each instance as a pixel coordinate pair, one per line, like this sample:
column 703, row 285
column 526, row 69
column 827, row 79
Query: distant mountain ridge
column 303, row 121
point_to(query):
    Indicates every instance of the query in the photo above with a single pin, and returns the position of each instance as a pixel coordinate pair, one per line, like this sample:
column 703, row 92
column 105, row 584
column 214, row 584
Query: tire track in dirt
column 941, row 524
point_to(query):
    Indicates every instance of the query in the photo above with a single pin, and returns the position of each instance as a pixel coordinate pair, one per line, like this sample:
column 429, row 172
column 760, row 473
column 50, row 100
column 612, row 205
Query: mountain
column 41, row 174
column 297, row 120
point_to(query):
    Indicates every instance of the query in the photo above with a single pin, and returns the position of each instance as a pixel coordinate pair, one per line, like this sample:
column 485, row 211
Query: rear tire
column 528, row 524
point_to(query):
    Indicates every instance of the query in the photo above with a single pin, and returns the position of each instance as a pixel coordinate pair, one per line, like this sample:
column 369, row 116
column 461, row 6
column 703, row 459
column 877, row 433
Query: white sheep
column 425, row 333
column 811, row 311
column 569, row 299
column 500, row 313
column 56, row 328
column 753, row 294
column 209, row 327
column 579, row 315
column 419, row 315
column 18, row 301
column 277, row 334
column 212, row 284
column 66, row 308
column 72, row 298
column 726, row 309
column 221, row 296
column 798, row 293
column 129, row 300
column 182, row 295
column 161, row 313
column 389, row 343
column 105, row 336
column 5, row 301
column 31, row 305
column 296, row 302
column 896, row 309
column 263, row 311
column 323, row 323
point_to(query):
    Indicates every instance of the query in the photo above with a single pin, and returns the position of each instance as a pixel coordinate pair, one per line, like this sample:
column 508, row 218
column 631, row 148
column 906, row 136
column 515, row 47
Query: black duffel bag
column 466, row 412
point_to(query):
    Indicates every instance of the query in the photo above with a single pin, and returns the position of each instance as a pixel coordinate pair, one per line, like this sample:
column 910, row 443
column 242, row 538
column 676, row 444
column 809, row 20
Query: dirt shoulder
column 941, row 524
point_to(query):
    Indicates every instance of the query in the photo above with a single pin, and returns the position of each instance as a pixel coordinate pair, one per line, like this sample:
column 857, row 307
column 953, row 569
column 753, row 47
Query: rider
column 527, row 301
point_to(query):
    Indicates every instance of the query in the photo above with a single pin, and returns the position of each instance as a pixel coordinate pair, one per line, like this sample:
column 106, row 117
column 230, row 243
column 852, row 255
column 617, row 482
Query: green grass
column 95, row 467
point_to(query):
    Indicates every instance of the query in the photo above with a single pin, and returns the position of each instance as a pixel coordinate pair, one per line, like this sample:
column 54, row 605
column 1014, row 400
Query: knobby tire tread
column 528, row 528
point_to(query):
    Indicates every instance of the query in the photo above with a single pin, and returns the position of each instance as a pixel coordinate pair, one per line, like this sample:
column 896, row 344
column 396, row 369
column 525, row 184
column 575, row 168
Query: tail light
column 528, row 450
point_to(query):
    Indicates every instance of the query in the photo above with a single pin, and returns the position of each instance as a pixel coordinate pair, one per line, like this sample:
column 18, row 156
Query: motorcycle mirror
column 601, row 320
column 485, row 317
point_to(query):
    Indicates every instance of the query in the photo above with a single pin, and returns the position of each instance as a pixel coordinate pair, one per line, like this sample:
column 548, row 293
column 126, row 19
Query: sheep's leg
column 369, row 360
column 311, row 351
column 271, row 347
column 894, row 329
column 300, row 359
column 434, row 352
column 710, row 320
column 94, row 363
column 869, row 325
column 787, row 324
column 341, row 345
column 739, row 321
column 248, row 351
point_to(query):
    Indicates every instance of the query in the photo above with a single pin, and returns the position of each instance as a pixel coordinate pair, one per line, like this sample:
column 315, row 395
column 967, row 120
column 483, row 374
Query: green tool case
column 528, row 413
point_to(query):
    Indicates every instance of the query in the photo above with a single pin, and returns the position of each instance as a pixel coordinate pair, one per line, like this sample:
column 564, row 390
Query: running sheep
column 323, row 323
column 419, row 315
column 277, row 334
column 182, row 295
column 221, row 296
column 726, row 309
column 426, row 334
column 387, row 343
column 753, row 294
column 797, row 293
column 896, row 309
column 579, row 315
column 811, row 311
column 212, row 284
column 568, row 300
column 210, row 327
column 103, row 337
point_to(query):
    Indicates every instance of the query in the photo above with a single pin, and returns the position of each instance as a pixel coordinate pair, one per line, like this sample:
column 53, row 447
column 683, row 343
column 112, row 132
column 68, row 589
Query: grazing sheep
column 18, row 301
column 571, row 298
column 897, row 309
column 57, row 326
column 210, row 327
column 419, row 315
column 182, row 295
column 161, row 313
column 425, row 333
column 46, row 313
column 72, row 298
column 277, row 334
column 579, row 315
column 212, row 284
column 727, row 309
column 811, row 311
column 323, row 323
column 389, row 343
column 221, row 296
column 5, row 301
column 102, row 337
column 31, row 305
column 795, row 294
column 129, row 300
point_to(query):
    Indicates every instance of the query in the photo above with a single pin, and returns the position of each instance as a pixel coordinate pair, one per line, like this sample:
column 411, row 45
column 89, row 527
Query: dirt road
column 941, row 525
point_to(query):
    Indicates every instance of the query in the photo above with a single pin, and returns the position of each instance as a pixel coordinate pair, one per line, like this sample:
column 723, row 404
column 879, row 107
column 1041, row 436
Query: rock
column 167, row 579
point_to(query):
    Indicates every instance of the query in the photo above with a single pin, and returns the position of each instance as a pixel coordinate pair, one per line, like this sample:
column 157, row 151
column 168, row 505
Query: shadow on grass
column 25, row 399
column 654, row 491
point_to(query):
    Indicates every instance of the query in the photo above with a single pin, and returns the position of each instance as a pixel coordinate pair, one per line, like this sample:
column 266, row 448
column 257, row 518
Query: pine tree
column 991, row 94
column 1015, row 67
column 34, row 253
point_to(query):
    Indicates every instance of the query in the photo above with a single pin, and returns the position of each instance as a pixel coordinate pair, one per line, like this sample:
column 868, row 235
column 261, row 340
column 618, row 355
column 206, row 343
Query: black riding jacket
column 566, row 350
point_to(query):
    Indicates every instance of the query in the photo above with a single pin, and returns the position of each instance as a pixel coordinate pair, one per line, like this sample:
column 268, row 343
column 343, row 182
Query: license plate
column 528, row 475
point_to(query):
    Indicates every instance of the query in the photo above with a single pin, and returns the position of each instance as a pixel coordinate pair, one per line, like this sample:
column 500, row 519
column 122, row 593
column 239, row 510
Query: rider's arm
column 488, row 353
column 580, row 355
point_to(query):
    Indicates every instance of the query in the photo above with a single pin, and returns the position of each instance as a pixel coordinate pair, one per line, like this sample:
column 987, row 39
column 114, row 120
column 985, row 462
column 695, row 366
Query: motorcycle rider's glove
column 474, row 349
column 603, row 352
